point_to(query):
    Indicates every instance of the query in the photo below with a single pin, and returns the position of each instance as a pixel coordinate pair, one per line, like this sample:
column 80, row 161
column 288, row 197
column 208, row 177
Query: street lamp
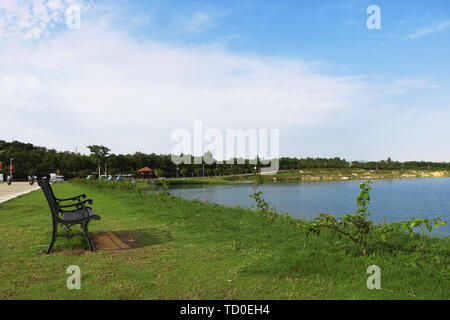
column 10, row 165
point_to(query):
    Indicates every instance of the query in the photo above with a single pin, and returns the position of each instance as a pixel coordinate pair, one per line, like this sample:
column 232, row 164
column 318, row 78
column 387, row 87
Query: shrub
column 357, row 227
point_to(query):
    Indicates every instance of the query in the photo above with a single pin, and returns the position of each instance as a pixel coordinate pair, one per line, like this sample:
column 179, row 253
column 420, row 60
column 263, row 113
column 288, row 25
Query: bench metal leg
column 55, row 229
column 86, row 235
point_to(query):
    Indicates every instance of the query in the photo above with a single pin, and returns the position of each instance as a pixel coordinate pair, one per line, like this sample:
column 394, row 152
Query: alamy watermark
column 73, row 14
column 74, row 281
column 374, row 20
column 229, row 146
column 73, row 17
column 374, row 281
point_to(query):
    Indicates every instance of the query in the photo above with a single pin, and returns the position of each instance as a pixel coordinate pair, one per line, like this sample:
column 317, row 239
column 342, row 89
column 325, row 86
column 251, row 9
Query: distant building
column 146, row 172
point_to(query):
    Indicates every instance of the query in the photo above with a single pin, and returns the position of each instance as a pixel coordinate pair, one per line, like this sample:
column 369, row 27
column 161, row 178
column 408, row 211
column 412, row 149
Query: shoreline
column 312, row 175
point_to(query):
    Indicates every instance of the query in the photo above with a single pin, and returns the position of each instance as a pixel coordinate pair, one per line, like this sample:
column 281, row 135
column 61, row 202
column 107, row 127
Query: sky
column 130, row 73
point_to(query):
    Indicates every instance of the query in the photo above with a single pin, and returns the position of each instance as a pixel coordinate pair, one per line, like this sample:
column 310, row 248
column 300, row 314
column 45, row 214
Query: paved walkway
column 15, row 189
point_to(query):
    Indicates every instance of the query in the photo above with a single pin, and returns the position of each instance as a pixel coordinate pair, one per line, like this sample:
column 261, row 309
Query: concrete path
column 15, row 189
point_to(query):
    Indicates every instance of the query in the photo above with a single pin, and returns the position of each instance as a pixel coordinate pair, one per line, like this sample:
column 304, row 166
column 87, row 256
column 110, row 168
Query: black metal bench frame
column 57, row 210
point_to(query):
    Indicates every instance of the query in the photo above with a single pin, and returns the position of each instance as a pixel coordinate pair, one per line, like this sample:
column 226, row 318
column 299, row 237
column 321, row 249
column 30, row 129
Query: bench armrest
column 80, row 204
column 78, row 198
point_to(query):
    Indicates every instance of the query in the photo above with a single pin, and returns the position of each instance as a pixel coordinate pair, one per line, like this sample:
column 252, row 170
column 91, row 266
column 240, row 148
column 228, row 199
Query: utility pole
column 10, row 177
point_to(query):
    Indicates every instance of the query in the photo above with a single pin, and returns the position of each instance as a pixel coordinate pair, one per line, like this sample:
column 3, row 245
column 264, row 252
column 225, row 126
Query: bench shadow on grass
column 130, row 239
column 112, row 241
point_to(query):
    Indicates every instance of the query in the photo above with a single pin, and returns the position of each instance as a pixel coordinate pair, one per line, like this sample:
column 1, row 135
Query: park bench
column 67, row 215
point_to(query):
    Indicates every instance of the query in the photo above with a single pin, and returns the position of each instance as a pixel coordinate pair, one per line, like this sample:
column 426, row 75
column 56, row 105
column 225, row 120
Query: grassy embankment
column 195, row 250
column 327, row 174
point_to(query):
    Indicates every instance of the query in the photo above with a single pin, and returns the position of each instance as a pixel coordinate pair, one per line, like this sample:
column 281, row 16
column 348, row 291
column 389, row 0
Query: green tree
column 100, row 153
column 159, row 173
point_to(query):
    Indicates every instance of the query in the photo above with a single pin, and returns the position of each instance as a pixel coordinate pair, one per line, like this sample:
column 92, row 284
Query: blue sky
column 138, row 70
column 333, row 32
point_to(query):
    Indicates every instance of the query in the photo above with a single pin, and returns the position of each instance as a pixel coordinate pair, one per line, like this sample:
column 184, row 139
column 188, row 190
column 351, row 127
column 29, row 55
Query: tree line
column 40, row 161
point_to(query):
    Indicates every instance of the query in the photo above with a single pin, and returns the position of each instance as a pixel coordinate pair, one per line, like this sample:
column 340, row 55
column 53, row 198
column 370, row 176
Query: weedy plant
column 357, row 227
column 161, row 187
column 270, row 213
column 107, row 185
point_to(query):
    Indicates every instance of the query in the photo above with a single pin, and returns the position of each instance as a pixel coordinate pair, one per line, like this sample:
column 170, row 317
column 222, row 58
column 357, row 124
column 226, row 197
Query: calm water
column 392, row 199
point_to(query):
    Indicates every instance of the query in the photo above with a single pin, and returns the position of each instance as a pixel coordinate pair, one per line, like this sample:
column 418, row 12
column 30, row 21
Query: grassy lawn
column 196, row 250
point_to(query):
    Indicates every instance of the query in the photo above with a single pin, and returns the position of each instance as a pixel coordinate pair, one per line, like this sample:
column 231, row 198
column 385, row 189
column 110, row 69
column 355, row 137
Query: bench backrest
column 50, row 196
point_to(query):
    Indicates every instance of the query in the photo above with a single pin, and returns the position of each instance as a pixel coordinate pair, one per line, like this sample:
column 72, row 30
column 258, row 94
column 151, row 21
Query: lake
column 392, row 199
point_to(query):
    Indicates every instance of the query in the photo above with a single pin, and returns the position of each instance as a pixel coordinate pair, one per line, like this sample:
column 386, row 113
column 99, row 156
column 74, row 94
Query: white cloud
column 426, row 31
column 55, row 5
column 99, row 72
column 103, row 78
column 199, row 22
column 98, row 85
column 402, row 85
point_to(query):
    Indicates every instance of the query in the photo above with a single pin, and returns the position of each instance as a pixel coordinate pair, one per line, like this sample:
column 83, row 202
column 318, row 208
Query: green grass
column 237, row 179
column 196, row 250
